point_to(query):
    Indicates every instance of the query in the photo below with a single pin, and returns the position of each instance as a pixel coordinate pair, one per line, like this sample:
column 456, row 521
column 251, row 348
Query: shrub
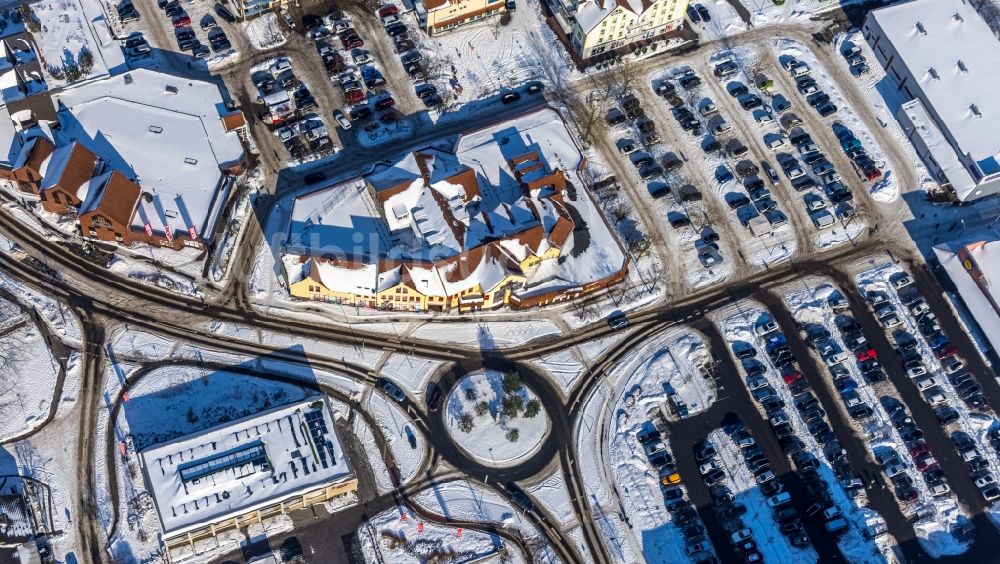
column 465, row 423
column 511, row 405
column 28, row 17
column 512, row 382
column 512, row 435
column 481, row 408
column 86, row 62
column 532, row 408
column 470, row 393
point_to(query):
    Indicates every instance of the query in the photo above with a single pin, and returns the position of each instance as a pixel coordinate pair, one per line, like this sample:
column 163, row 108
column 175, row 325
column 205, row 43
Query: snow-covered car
column 765, row 327
column 891, row 321
column 780, row 499
column 925, row 383
column 831, row 512
column 983, row 481
column 939, row 489
column 916, row 371
column 741, row 535
column 756, row 383
column 707, row 467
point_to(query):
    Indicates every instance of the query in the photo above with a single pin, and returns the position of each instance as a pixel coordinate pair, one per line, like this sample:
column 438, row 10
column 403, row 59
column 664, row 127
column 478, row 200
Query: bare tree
column 989, row 11
column 626, row 75
column 589, row 117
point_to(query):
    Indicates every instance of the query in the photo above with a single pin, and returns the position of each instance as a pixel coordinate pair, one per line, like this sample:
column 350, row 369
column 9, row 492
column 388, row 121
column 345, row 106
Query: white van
column 823, row 219
column 779, row 499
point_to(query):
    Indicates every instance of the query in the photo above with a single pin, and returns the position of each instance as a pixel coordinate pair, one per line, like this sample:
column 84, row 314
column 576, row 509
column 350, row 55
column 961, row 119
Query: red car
column 918, row 450
column 355, row 96
column 950, row 350
column 908, row 495
column 926, row 463
column 182, row 20
column 384, row 103
column 387, row 117
column 792, row 378
column 869, row 354
column 872, row 173
column 386, row 11
column 354, row 44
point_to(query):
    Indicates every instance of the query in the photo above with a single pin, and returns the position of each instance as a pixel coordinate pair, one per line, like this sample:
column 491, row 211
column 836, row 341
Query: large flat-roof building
column 246, row 470
column 973, row 265
column 139, row 157
column 944, row 58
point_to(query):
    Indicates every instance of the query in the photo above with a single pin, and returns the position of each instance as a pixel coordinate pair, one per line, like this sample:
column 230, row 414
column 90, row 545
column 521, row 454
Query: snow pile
column 263, row 33
column 490, row 417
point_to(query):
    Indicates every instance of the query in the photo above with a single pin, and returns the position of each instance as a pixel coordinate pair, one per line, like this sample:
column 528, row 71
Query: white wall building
column 945, row 60
column 231, row 470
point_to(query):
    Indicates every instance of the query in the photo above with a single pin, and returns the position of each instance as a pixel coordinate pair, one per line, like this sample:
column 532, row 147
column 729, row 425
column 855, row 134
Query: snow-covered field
column 768, row 12
column 552, row 494
column 264, row 32
column 405, row 442
column 501, row 432
column 28, row 373
column 66, row 42
column 400, row 535
column 487, row 335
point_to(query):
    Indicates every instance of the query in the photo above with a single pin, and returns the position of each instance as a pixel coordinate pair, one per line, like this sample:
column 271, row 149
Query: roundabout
column 496, row 418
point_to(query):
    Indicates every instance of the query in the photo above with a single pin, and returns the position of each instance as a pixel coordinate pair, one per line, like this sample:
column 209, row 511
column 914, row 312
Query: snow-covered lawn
column 66, row 42
column 407, row 445
column 399, row 535
column 469, row 501
column 768, row 12
column 501, row 432
column 725, row 21
column 676, row 362
column 487, row 335
column 263, row 32
column 28, row 373
column 552, row 494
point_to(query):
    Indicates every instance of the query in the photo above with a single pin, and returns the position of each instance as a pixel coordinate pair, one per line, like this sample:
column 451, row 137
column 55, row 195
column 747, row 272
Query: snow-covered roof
column 340, row 220
column 987, row 259
column 164, row 131
column 459, row 220
column 944, row 154
column 590, row 13
column 954, row 57
column 243, row 465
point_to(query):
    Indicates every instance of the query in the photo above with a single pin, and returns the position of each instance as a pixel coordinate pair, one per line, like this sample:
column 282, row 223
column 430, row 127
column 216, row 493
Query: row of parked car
column 916, row 447
column 808, row 87
column 291, row 109
column 187, row 40
column 683, row 513
column 855, row 151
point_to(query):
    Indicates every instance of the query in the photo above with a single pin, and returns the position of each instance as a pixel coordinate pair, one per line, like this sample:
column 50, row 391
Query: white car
column 765, row 327
column 816, row 204
column 779, row 499
column 765, row 477
column 741, row 535
column 891, row 321
column 756, row 383
column 919, row 308
column 985, row 481
column 939, row 489
column 916, row 371
column 831, row 512
column 708, row 467
column 925, row 383
column 342, row 119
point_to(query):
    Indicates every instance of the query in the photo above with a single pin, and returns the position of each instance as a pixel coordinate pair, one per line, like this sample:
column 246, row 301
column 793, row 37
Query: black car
column 738, row 90
column 750, row 102
column 703, row 12
column 519, row 497
column 135, row 40
column 360, row 112
column 224, row 13
column 174, row 9
column 128, row 13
